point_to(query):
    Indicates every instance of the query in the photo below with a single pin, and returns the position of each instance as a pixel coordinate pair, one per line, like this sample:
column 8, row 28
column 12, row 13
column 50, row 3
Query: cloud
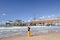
column 51, row 16
column 4, row 14
column 42, row 17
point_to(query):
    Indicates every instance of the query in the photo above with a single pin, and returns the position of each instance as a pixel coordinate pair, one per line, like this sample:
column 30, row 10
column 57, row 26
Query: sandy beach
column 46, row 36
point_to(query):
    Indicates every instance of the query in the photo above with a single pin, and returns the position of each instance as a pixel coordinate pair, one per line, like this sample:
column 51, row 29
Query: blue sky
column 26, row 9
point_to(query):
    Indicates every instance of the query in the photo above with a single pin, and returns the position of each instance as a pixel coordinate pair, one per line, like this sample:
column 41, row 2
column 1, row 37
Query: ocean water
column 11, row 31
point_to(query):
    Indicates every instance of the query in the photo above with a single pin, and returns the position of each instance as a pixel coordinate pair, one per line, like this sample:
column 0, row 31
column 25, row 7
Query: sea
column 22, row 30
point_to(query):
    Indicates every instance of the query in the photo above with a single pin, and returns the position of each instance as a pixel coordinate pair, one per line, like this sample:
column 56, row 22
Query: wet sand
column 46, row 36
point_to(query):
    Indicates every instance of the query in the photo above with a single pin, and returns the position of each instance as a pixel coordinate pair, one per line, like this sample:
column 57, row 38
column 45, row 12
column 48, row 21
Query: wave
column 9, row 31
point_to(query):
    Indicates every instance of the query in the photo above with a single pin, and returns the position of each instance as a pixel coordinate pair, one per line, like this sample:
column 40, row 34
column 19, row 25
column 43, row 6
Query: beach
column 47, row 36
column 37, row 33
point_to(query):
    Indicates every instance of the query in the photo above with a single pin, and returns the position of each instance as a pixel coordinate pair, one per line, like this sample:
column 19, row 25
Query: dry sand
column 47, row 36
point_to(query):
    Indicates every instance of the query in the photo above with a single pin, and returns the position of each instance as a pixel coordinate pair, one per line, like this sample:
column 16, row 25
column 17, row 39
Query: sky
column 27, row 9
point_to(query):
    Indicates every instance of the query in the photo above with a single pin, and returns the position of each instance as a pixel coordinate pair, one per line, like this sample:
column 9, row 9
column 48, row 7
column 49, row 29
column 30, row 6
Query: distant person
column 29, row 33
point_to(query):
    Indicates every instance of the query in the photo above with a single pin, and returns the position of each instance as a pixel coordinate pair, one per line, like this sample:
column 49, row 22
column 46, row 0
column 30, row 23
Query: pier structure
column 52, row 22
